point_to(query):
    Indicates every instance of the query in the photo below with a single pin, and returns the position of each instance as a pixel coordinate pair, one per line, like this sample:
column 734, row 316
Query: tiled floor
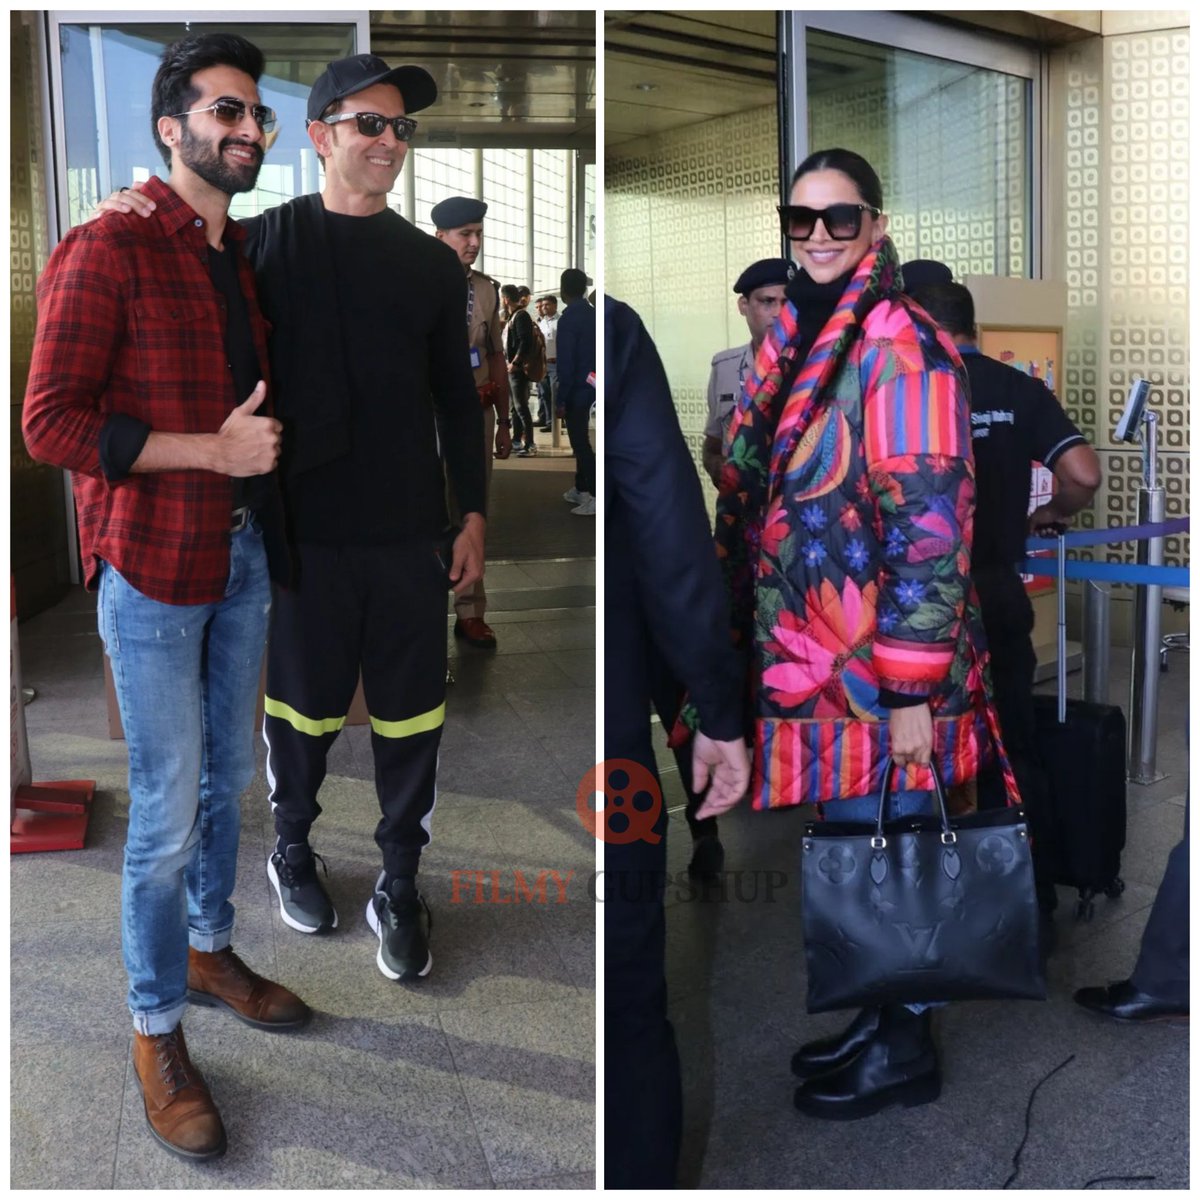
column 483, row 1075
column 1120, row 1108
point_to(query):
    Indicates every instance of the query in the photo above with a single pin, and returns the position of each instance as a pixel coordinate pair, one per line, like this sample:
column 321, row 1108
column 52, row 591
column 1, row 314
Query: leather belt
column 241, row 518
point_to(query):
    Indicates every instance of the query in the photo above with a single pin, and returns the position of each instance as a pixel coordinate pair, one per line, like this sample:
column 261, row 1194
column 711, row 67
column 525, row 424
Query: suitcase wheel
column 1115, row 889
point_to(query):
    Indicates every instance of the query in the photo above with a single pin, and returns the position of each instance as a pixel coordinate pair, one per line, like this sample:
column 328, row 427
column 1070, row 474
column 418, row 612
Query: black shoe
column 828, row 1054
column 1123, row 1002
column 401, row 920
column 708, row 857
column 899, row 1066
column 304, row 903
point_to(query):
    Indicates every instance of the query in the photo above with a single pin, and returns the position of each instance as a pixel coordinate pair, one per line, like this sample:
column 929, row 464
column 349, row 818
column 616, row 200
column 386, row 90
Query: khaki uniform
column 730, row 369
column 484, row 336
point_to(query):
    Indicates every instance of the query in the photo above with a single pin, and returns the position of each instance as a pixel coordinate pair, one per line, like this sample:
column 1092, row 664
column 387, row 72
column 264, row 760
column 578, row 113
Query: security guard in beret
column 760, row 290
column 459, row 223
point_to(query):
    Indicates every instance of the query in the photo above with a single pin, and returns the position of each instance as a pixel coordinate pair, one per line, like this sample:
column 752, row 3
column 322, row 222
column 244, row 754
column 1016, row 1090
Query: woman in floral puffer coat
column 844, row 520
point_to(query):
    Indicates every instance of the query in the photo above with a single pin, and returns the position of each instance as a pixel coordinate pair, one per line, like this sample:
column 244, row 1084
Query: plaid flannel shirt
column 129, row 322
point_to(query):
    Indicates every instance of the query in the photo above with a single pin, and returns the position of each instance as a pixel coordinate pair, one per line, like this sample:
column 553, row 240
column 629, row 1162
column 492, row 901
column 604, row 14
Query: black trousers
column 581, row 446
column 522, row 419
column 1163, row 966
column 381, row 609
column 643, row 1103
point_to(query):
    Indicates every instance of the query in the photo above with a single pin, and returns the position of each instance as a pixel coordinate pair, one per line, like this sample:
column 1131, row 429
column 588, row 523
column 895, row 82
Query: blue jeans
column 866, row 808
column 546, row 392
column 186, row 679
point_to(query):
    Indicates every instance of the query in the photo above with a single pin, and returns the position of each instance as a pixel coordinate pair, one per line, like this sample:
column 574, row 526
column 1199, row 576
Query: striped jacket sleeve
column 916, row 428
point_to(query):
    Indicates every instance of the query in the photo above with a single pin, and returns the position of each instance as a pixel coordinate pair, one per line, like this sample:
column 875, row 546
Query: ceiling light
column 646, row 87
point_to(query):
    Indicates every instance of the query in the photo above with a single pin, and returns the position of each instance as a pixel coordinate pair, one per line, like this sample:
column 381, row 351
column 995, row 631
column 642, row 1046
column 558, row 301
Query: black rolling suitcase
column 1082, row 747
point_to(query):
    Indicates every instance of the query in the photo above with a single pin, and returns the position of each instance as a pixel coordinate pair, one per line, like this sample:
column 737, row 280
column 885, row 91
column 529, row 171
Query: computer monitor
column 1131, row 419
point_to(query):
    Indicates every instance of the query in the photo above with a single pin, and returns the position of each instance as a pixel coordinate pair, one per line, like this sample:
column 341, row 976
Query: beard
column 210, row 164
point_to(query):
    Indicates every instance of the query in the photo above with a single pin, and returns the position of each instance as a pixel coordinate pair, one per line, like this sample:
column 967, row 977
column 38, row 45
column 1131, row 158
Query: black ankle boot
column 898, row 1066
column 828, row 1054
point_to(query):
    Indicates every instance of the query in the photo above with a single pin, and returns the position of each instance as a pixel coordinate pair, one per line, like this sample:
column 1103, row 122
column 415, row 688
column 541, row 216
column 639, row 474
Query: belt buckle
column 241, row 518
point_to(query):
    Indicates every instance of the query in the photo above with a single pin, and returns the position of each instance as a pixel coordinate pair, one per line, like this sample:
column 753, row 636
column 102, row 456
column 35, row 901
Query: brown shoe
column 180, row 1112
column 476, row 631
column 222, row 980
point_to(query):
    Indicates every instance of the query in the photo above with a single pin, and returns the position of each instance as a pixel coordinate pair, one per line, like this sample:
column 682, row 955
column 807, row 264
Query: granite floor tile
column 528, row 1071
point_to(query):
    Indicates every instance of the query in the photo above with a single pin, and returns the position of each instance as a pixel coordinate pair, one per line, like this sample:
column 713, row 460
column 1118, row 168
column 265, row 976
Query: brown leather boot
column 222, row 980
column 179, row 1110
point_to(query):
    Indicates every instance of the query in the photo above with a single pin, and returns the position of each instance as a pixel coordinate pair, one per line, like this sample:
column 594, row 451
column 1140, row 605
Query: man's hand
column 466, row 565
column 727, row 765
column 127, row 200
column 503, row 441
column 910, row 734
column 1047, row 521
column 246, row 444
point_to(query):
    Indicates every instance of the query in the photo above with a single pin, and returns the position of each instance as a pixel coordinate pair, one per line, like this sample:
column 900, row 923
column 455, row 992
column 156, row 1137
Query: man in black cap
column 369, row 366
column 459, row 223
column 759, row 289
column 1015, row 421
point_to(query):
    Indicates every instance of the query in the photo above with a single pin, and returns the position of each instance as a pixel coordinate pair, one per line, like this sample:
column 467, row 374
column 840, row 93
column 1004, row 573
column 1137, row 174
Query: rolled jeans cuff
column 210, row 943
column 151, row 1024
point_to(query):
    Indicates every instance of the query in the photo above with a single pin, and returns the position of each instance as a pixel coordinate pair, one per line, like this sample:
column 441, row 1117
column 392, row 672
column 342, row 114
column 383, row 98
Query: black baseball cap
column 921, row 272
column 345, row 76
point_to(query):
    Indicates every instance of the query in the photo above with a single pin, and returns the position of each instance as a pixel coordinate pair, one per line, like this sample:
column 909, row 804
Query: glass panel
column 551, row 219
column 589, row 219
column 107, row 71
column 437, row 173
column 950, row 143
column 504, row 251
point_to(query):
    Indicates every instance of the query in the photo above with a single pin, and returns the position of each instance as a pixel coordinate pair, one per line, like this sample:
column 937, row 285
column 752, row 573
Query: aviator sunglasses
column 842, row 221
column 372, row 124
column 230, row 111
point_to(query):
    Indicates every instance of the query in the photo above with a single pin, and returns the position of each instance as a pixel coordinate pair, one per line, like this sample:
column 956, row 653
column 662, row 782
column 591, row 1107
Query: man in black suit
column 663, row 595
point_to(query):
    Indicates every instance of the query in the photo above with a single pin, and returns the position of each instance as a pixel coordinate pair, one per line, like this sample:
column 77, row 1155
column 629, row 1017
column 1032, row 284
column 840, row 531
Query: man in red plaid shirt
column 148, row 384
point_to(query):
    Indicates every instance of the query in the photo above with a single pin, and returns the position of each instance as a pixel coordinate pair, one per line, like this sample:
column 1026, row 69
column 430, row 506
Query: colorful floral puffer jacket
column 845, row 525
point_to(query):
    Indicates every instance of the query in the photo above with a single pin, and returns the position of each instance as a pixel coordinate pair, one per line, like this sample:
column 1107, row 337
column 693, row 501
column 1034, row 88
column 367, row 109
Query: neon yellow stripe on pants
column 310, row 725
column 422, row 723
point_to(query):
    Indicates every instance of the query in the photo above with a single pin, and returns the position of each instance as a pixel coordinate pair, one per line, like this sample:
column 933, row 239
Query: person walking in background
column 548, row 387
column 166, row 428
column 577, row 386
column 518, row 350
column 663, row 596
column 459, row 223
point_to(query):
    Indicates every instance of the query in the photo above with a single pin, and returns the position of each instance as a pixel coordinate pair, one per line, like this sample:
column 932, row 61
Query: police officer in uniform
column 1015, row 420
column 759, row 290
column 459, row 223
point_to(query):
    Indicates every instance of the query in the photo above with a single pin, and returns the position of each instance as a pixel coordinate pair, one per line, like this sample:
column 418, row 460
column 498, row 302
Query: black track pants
column 381, row 608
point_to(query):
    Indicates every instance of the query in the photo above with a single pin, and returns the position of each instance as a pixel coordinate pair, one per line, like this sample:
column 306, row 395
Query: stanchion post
column 1147, row 622
column 1096, row 640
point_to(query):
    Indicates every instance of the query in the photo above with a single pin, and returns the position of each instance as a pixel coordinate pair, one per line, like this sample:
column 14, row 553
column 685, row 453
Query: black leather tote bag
column 920, row 909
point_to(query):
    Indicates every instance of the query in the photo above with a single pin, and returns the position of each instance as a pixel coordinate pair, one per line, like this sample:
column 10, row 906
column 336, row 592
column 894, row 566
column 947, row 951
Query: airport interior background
column 1014, row 144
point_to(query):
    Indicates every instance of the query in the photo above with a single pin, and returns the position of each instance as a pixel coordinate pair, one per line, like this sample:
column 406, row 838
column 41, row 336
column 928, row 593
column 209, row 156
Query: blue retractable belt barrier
column 1135, row 573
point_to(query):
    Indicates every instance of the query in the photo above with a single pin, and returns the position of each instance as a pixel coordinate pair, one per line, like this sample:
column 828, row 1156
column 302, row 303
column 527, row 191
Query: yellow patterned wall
column 38, row 556
column 1119, row 141
column 685, row 212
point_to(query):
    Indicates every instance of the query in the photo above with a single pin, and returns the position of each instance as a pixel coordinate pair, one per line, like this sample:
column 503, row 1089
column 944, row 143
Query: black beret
column 359, row 72
column 767, row 272
column 923, row 271
column 456, row 211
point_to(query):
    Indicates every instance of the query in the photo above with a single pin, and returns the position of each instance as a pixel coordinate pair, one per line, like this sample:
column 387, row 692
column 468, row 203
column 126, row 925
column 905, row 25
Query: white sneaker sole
column 373, row 921
column 287, row 920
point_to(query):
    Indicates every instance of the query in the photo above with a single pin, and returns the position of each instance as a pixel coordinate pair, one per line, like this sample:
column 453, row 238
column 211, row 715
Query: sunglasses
column 842, row 221
column 230, row 111
column 372, row 125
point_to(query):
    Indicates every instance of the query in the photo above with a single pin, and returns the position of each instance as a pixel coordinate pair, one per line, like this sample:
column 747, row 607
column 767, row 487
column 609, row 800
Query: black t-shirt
column 369, row 496
column 1015, row 421
column 239, row 350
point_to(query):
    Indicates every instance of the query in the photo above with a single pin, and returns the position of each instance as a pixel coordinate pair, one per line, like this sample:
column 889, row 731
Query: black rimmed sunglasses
column 842, row 221
column 230, row 111
column 373, row 124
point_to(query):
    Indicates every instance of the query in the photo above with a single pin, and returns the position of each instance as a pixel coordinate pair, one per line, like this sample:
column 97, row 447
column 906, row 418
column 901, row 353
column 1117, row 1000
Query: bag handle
column 942, row 811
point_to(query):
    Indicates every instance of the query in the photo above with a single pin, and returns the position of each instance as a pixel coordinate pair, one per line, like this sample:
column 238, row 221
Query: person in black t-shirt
column 1015, row 421
column 518, row 346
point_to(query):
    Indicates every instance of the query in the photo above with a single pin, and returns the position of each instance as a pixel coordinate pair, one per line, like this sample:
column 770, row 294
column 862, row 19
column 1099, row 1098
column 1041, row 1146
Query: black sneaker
column 304, row 903
column 402, row 924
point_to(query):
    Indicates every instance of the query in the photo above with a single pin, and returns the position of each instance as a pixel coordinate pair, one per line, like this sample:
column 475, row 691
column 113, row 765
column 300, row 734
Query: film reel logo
column 632, row 802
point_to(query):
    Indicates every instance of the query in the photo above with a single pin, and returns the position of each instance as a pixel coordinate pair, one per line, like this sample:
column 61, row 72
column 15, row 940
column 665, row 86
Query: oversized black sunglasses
column 842, row 221
column 230, row 111
column 373, row 124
